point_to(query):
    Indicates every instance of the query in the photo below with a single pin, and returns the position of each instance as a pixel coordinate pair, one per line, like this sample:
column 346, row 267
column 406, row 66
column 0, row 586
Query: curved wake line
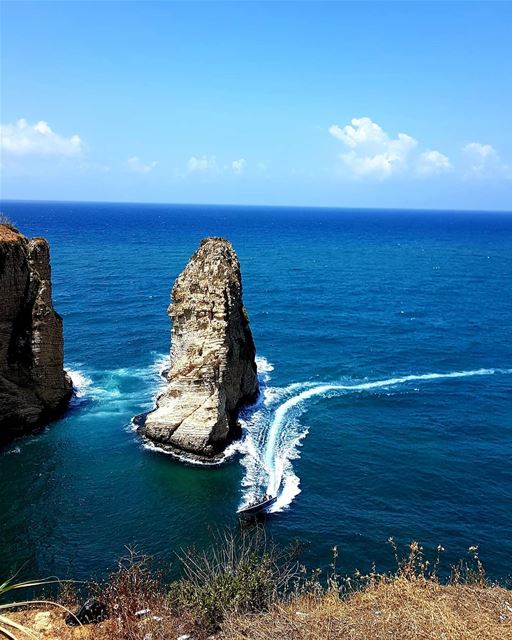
column 272, row 432
column 274, row 467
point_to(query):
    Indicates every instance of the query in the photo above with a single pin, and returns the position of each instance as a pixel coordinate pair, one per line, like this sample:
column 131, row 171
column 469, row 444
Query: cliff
column 213, row 370
column 33, row 384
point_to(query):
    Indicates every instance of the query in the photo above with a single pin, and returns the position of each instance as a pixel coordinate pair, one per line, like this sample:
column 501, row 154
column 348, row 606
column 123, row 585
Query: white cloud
column 433, row 162
column 364, row 131
column 202, row 164
column 208, row 165
column 22, row 138
column 483, row 161
column 136, row 165
column 371, row 151
column 238, row 165
column 478, row 150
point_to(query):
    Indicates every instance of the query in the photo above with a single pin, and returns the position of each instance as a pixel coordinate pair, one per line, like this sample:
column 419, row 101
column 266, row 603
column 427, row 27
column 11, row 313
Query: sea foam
column 271, row 428
column 273, row 432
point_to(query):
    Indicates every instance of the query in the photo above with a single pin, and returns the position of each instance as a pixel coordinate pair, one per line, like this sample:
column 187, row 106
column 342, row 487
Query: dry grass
column 132, row 589
column 8, row 233
column 398, row 609
column 411, row 604
column 50, row 625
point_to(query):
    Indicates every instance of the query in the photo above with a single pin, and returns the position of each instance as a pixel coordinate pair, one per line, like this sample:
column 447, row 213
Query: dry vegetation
column 8, row 231
column 244, row 588
column 396, row 609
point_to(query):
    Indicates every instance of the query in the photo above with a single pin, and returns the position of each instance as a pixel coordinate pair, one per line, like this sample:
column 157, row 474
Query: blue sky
column 359, row 104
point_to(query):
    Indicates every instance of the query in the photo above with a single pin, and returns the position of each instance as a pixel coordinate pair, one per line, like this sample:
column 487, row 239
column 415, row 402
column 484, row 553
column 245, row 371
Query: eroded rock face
column 34, row 387
column 213, row 369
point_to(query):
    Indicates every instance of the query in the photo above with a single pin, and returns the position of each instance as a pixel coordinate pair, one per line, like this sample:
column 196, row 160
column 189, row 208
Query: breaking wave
column 273, row 433
column 130, row 391
column 81, row 382
column 111, row 390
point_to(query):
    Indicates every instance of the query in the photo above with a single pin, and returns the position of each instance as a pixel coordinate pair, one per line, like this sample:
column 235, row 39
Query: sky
column 383, row 104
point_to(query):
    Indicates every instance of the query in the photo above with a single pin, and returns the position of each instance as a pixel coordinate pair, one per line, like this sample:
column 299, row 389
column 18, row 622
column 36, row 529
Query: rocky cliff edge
column 34, row 387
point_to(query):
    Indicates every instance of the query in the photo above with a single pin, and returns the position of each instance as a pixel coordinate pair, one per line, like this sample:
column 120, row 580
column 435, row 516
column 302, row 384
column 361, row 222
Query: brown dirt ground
column 49, row 624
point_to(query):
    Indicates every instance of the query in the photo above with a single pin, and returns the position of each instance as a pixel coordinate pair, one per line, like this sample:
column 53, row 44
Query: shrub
column 239, row 573
column 131, row 588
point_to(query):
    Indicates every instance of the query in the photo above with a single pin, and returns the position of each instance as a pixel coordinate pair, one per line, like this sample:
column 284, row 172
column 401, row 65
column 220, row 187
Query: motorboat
column 258, row 506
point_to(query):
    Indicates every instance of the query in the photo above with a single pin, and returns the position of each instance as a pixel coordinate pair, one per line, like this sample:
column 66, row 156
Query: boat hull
column 257, row 508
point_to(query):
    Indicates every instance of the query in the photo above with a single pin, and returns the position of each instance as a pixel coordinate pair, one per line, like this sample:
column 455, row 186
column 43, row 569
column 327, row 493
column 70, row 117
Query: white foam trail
column 272, row 434
column 255, row 423
column 277, row 467
column 290, row 480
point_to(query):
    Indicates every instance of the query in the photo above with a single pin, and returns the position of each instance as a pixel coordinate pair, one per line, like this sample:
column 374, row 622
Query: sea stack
column 34, row 387
column 213, row 369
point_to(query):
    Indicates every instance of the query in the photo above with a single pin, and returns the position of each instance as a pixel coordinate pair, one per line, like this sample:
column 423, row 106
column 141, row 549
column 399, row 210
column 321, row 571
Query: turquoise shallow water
column 351, row 311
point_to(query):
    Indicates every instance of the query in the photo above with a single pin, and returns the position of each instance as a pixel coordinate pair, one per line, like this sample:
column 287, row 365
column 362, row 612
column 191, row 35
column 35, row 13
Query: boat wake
column 273, row 433
column 272, row 430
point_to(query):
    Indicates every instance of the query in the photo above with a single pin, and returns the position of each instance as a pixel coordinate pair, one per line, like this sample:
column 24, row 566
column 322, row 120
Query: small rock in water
column 92, row 611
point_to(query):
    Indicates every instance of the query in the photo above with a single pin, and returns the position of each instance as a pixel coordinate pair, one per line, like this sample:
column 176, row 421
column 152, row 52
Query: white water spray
column 272, row 431
column 273, row 435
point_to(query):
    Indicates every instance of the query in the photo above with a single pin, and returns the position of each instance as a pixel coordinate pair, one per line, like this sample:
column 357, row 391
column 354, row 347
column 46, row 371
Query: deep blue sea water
column 351, row 311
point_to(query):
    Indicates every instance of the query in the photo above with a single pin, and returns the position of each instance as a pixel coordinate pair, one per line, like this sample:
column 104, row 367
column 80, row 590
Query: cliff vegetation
column 244, row 587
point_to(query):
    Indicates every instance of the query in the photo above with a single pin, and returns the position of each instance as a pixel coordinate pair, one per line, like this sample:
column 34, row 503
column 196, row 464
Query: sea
column 384, row 354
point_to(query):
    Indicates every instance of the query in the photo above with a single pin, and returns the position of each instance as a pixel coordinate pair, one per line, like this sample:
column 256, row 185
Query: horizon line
column 253, row 206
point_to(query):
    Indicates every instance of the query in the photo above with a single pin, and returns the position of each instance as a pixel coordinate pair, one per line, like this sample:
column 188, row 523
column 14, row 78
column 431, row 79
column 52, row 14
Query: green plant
column 239, row 573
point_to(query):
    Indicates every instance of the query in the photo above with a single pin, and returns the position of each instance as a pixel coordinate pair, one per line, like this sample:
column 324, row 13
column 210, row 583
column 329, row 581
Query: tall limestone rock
column 213, row 369
column 34, row 387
